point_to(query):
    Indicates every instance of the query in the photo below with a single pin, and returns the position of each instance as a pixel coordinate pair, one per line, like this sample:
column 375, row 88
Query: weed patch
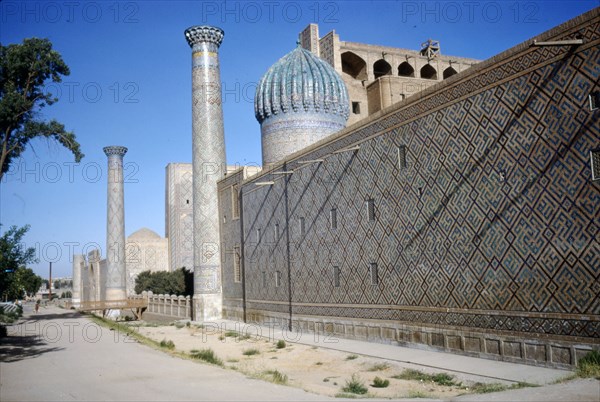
column 379, row 367
column 589, row 365
column 380, row 383
column 416, row 375
column 417, row 394
column 481, row 388
column 207, row 355
column 277, row 377
column 355, row 386
column 167, row 344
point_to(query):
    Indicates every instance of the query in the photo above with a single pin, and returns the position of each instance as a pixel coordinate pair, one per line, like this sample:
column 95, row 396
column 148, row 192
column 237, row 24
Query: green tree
column 13, row 255
column 57, row 284
column 164, row 282
column 23, row 282
column 24, row 70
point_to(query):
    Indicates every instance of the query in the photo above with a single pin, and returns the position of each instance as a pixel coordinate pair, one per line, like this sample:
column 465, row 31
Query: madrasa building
column 463, row 218
column 405, row 197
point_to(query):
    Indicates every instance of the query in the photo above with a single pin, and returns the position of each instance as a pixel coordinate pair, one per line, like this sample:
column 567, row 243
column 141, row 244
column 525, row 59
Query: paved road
column 58, row 355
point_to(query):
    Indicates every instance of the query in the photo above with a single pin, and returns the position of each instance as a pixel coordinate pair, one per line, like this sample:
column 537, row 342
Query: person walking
column 37, row 306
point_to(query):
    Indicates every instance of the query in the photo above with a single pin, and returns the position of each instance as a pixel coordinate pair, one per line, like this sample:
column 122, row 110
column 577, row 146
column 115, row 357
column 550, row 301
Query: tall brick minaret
column 208, row 160
column 115, row 226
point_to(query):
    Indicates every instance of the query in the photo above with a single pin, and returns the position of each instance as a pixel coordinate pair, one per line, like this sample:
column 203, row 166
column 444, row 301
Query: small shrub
column 325, row 379
column 6, row 319
column 251, row 352
column 417, row 394
column 231, row 334
column 187, row 324
column 280, row 344
column 351, row 357
column 482, row 388
column 221, row 338
column 318, row 363
column 277, row 377
column 355, row 385
column 443, row 379
column 167, row 344
column 379, row 367
column 416, row 375
column 380, row 383
column 589, row 365
column 179, row 325
column 207, row 355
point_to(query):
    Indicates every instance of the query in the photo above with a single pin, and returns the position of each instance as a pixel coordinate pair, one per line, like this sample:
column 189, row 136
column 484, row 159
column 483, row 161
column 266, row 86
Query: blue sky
column 130, row 85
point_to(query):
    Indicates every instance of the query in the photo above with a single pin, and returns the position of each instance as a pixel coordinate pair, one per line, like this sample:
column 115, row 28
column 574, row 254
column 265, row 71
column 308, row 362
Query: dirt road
column 57, row 355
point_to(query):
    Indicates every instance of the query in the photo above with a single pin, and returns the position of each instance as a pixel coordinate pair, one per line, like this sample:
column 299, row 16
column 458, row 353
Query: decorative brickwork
column 115, row 277
column 486, row 241
column 208, row 153
column 179, row 215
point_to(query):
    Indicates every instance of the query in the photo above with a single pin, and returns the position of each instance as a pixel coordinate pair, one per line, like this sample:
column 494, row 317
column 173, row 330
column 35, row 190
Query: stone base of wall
column 525, row 348
column 233, row 313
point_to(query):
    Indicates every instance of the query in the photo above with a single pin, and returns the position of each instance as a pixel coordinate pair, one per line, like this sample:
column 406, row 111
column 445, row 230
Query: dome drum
column 300, row 100
column 282, row 135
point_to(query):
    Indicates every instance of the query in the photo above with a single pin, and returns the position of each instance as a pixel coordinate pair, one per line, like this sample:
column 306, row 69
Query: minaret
column 77, row 290
column 208, row 160
column 115, row 226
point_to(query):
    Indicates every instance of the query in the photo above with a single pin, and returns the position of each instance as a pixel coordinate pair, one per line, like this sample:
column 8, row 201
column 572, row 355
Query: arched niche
column 381, row 68
column 354, row 66
column 449, row 72
column 406, row 70
column 428, row 72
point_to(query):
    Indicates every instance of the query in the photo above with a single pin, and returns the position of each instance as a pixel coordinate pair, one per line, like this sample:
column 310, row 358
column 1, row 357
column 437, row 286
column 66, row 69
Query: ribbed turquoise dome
column 301, row 82
column 299, row 101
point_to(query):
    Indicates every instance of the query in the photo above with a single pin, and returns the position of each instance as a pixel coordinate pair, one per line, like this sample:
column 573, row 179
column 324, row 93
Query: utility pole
column 50, row 283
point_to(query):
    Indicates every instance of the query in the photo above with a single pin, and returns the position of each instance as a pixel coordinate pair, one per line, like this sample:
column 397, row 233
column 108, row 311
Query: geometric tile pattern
column 208, row 153
column 115, row 220
column 179, row 215
column 492, row 225
column 230, row 236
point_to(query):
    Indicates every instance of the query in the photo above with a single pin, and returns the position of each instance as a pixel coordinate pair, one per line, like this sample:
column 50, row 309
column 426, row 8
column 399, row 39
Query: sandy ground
column 318, row 370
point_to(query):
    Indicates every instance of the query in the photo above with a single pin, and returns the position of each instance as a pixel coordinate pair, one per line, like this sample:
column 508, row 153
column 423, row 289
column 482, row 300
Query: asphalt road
column 58, row 355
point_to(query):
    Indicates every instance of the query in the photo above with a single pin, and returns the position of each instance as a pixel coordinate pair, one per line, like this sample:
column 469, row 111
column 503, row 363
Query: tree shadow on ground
column 51, row 316
column 14, row 348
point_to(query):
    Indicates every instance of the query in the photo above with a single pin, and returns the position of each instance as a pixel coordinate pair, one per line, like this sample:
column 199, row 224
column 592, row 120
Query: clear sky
column 130, row 85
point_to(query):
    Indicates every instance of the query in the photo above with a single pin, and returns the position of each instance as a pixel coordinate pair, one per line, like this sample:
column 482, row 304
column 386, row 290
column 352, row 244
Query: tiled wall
column 485, row 241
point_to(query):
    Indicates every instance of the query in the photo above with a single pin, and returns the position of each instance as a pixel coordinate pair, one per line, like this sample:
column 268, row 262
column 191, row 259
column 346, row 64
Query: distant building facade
column 145, row 251
column 380, row 76
column 179, row 215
